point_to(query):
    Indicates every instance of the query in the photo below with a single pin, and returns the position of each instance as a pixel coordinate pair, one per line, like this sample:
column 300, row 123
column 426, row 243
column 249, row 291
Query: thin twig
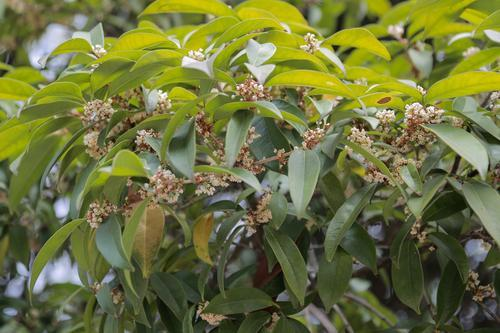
column 342, row 316
column 322, row 318
column 273, row 158
column 367, row 305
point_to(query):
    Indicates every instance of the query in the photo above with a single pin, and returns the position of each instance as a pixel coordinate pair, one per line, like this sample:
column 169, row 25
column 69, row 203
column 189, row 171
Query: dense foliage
column 239, row 172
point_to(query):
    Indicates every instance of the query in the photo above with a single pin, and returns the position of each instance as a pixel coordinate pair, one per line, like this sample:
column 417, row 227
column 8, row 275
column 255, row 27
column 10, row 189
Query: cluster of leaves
column 225, row 176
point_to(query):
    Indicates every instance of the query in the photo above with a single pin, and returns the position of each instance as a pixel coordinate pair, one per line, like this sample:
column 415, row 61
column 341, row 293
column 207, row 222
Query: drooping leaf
column 450, row 293
column 254, row 322
column 359, row 244
column 171, row 292
column 148, row 238
column 345, row 217
column 201, row 235
column 290, row 260
column 303, row 173
column 236, row 135
column 408, row 277
column 109, row 242
column 485, row 202
column 454, row 251
column 333, row 278
column 464, row 144
column 182, row 149
column 49, row 249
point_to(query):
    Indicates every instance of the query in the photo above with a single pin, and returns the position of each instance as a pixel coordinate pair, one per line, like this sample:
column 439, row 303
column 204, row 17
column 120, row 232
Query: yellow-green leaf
column 358, row 38
column 214, row 7
column 11, row 89
column 312, row 79
column 148, row 237
column 201, row 235
column 463, row 84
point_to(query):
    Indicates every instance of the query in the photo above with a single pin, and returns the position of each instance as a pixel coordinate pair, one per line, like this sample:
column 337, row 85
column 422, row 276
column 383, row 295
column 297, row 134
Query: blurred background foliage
column 30, row 29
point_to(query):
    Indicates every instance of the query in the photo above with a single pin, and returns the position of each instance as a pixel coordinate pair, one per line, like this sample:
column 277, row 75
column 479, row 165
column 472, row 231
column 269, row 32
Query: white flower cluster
column 99, row 51
column 312, row 137
column 97, row 113
column 421, row 90
column 417, row 231
column 359, row 136
column 260, row 215
column 251, row 90
column 312, row 43
column 479, row 292
column 164, row 103
column 396, row 30
column 386, row 117
column 140, row 139
column 415, row 116
column 92, row 147
column 470, row 51
column 197, row 55
column 97, row 213
column 212, row 319
column 164, row 186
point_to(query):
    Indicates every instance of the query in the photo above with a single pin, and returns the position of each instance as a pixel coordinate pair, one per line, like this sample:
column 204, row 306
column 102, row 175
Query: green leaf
column 108, row 239
column 239, row 300
column 105, row 300
column 201, row 235
column 127, row 164
column 345, row 217
column 469, row 108
column 359, row 244
column 182, row 149
column 214, row 7
column 49, row 249
column 254, row 322
column 242, row 174
column 359, row 38
column 279, row 209
column 450, row 293
column 245, row 27
column 291, row 262
column 454, row 251
column 485, row 202
column 31, row 168
column 463, row 84
column 148, row 238
column 259, row 53
column 236, row 134
column 378, row 163
column 489, row 23
column 221, row 267
column 15, row 137
column 131, row 226
column 171, row 292
column 312, row 79
column 73, row 45
column 417, row 204
column 476, row 61
column 333, row 278
column 11, row 89
column 282, row 10
column 303, row 172
column 464, row 144
column 411, row 177
column 408, row 277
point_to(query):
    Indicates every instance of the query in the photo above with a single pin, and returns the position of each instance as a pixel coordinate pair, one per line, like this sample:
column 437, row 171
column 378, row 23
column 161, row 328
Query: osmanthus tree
column 246, row 174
